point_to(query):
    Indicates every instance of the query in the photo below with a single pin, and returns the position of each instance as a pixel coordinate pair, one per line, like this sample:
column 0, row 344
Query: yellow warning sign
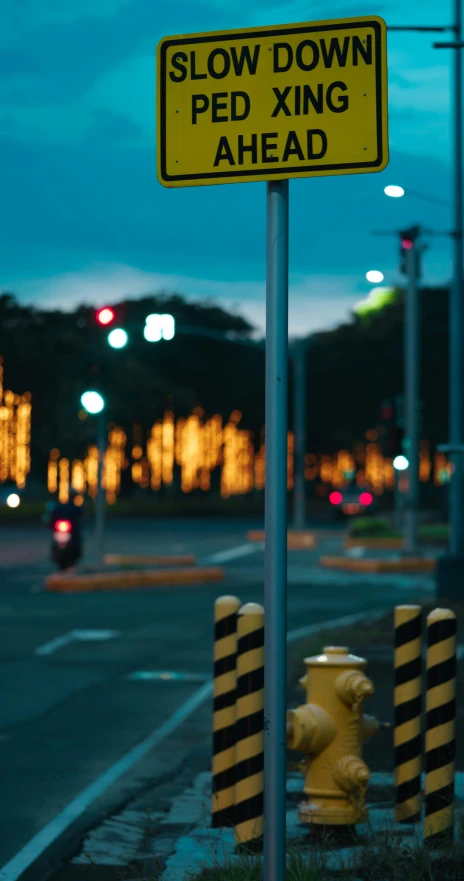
column 271, row 103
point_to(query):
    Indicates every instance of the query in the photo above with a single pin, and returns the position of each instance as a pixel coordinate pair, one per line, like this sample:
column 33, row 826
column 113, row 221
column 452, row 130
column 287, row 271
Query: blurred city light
column 117, row 338
column 92, row 402
column 407, row 244
column 159, row 327
column 375, row 276
column 105, row 316
column 400, row 463
column 366, row 499
column 335, row 498
column 13, row 500
column 394, row 191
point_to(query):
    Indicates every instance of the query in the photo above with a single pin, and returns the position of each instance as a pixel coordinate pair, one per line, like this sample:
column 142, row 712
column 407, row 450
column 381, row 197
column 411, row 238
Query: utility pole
column 410, row 258
column 410, row 265
column 450, row 569
column 299, row 352
column 100, row 501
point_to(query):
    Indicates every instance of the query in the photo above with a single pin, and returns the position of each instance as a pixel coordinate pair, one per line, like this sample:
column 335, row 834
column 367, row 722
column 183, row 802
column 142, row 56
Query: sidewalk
column 164, row 834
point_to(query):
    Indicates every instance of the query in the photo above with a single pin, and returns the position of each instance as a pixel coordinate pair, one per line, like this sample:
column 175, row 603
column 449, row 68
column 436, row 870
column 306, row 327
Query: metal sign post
column 275, row 524
column 270, row 104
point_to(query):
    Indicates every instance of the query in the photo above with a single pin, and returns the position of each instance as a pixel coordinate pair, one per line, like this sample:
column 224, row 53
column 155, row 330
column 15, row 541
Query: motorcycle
column 66, row 545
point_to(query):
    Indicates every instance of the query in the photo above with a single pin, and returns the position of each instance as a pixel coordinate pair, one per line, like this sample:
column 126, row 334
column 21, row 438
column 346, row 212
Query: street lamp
column 375, row 276
column 159, row 327
column 394, row 191
column 94, row 404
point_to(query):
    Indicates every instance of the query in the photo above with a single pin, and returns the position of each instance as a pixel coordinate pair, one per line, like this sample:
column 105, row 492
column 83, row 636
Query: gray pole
column 411, row 399
column 100, row 498
column 456, row 350
column 299, row 423
column 275, row 520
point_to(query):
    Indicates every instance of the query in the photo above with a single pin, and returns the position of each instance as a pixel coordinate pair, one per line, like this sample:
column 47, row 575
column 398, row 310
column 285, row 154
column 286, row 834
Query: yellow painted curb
column 61, row 583
column 411, row 564
column 295, row 540
column 375, row 543
column 137, row 560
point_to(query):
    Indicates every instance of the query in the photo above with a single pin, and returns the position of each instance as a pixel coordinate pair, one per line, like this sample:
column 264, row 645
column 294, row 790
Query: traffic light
column 408, row 242
column 105, row 316
column 392, row 422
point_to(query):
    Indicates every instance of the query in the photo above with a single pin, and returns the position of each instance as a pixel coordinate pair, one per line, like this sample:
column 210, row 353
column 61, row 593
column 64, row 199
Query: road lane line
column 54, row 644
column 76, row 636
column 13, row 870
column 34, row 848
column 234, row 553
column 371, row 615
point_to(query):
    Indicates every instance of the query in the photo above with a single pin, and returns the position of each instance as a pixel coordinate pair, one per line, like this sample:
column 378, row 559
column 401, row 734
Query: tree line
column 56, row 355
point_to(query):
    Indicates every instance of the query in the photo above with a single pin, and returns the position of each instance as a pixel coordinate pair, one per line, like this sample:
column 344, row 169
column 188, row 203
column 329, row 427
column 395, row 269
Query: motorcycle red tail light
column 63, row 526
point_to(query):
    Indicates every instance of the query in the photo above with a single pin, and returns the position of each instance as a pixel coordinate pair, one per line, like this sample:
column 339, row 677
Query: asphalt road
column 68, row 712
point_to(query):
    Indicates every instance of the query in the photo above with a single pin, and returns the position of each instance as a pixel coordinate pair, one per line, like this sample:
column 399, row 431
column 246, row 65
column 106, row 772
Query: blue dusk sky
column 83, row 217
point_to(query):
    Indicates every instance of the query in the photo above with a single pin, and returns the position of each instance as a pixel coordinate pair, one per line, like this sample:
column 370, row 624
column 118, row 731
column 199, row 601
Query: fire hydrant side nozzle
column 330, row 730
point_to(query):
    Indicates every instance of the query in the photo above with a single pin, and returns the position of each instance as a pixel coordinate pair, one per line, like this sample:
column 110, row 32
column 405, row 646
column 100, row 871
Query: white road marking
column 54, row 644
column 15, row 867
column 235, row 553
column 13, row 870
column 371, row 615
column 167, row 676
column 75, row 635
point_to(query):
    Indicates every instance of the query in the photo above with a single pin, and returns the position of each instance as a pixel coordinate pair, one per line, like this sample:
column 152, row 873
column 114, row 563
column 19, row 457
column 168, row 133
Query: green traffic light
column 92, row 402
column 117, row 338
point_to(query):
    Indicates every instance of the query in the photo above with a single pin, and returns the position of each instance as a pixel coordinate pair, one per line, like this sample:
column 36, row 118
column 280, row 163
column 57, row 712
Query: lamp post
column 94, row 404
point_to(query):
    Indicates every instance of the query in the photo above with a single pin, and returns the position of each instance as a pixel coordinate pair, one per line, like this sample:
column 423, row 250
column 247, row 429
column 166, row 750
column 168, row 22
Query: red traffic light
column 407, row 244
column 105, row 316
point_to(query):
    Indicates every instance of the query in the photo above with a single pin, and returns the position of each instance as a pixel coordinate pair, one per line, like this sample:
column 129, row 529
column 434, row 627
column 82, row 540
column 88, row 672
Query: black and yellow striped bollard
column 408, row 708
column 224, row 707
column 440, row 725
column 249, row 749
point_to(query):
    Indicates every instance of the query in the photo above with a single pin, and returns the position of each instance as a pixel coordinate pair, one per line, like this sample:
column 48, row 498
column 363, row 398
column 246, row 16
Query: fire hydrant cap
column 336, row 656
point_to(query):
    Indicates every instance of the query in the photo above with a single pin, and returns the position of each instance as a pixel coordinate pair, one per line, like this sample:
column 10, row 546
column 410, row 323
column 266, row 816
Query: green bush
column 371, row 527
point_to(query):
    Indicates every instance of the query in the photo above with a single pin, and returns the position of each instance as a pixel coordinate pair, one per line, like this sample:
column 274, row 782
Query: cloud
column 315, row 302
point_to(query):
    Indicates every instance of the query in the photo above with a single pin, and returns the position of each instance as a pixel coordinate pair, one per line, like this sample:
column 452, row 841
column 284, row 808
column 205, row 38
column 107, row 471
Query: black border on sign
column 278, row 32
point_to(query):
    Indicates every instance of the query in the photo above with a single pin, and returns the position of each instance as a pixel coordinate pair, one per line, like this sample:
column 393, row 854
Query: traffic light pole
column 100, row 501
column 450, row 569
column 411, row 441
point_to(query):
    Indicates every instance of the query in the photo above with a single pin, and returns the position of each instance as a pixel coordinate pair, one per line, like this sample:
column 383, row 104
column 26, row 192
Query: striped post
column 440, row 744
column 225, row 658
column 249, row 749
column 408, row 707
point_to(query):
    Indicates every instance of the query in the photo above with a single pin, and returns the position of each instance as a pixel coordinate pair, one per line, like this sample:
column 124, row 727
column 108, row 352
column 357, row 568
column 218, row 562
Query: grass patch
column 381, row 857
column 372, row 527
column 363, row 633
column 378, row 527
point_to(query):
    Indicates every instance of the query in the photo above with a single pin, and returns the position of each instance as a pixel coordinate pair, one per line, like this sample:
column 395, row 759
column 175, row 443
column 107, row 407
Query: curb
column 296, row 540
column 375, row 543
column 412, row 564
column 144, row 560
column 132, row 580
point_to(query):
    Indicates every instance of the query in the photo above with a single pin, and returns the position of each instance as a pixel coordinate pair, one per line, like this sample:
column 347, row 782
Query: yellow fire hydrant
column 331, row 729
